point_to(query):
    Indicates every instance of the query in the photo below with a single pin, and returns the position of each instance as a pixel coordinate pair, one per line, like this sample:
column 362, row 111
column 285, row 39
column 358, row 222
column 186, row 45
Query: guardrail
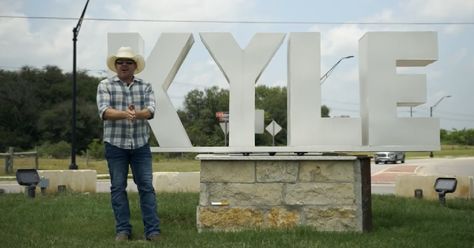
column 11, row 154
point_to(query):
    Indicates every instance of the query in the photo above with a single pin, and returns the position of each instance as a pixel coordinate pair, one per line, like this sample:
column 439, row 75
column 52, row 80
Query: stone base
column 248, row 192
column 176, row 181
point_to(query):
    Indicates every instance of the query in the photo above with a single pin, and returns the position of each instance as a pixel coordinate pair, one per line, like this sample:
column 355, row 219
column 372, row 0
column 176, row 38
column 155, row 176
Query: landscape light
column 444, row 185
column 28, row 178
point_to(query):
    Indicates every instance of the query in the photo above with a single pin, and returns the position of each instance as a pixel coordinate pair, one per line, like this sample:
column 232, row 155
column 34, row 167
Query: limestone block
column 203, row 195
column 229, row 219
column 326, row 171
column 277, row 171
column 405, row 186
column 319, row 194
column 332, row 218
column 279, row 217
column 228, row 171
column 176, row 181
column 74, row 180
column 244, row 194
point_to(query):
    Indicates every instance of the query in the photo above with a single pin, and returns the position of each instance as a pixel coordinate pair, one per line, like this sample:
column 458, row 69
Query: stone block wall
column 247, row 192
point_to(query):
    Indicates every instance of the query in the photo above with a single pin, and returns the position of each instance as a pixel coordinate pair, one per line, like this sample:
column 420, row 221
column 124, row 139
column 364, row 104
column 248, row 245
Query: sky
column 341, row 23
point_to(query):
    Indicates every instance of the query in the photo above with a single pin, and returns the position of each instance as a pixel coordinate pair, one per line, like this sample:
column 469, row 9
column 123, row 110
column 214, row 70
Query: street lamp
column 431, row 112
column 326, row 75
column 436, row 104
column 75, row 32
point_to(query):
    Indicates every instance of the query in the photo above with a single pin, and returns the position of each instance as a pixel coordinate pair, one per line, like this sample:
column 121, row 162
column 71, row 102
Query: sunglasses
column 121, row 62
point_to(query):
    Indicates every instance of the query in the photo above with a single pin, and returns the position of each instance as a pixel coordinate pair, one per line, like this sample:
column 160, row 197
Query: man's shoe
column 155, row 237
column 122, row 237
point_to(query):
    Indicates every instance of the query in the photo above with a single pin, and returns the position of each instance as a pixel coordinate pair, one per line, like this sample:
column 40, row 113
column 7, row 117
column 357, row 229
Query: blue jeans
column 139, row 159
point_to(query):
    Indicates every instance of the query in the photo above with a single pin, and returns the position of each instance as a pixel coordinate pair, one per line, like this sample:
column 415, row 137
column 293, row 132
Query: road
column 383, row 175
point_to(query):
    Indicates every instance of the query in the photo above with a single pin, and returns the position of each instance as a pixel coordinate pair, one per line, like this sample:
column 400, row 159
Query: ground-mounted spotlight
column 444, row 185
column 28, row 178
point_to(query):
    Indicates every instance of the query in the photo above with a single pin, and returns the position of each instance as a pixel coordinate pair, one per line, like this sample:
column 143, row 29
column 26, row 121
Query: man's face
column 125, row 68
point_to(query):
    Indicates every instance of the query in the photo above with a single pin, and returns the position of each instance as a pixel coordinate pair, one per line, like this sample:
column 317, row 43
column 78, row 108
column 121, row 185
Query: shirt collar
column 135, row 80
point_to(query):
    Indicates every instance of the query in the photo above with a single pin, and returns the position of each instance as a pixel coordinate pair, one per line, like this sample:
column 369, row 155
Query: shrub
column 62, row 149
column 96, row 149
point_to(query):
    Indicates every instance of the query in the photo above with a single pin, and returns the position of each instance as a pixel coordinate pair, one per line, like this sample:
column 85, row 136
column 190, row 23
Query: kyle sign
column 382, row 90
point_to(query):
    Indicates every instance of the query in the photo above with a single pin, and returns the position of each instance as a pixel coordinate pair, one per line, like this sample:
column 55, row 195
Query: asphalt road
column 426, row 167
column 385, row 174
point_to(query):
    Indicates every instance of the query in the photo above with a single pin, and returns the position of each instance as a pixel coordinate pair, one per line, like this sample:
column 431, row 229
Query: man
column 125, row 103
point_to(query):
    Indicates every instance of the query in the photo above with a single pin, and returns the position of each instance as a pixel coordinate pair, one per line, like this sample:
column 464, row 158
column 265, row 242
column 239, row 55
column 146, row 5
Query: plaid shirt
column 114, row 93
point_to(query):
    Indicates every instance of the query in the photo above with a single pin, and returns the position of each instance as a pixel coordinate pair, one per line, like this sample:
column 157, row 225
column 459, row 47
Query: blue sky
column 48, row 42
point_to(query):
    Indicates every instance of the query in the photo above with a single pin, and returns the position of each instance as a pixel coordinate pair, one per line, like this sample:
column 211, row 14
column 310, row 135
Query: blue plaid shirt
column 114, row 93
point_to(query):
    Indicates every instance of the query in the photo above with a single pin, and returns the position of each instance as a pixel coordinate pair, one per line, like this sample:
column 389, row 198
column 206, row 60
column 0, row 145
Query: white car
column 389, row 157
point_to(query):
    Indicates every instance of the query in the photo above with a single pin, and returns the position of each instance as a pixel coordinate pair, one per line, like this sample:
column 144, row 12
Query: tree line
column 36, row 111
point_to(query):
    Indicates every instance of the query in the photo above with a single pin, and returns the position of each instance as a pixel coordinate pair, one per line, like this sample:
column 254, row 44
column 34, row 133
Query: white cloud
column 440, row 10
column 341, row 41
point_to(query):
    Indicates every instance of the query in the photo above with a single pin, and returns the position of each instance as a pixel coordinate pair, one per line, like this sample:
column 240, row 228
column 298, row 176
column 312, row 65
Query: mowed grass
column 446, row 151
column 189, row 164
column 162, row 165
column 86, row 220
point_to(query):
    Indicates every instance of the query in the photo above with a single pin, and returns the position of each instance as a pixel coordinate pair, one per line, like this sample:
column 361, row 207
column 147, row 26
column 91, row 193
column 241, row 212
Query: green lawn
column 181, row 165
column 187, row 164
column 85, row 220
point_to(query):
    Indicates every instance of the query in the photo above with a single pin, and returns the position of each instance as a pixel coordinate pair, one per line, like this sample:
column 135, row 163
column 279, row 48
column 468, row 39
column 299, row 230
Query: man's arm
column 130, row 114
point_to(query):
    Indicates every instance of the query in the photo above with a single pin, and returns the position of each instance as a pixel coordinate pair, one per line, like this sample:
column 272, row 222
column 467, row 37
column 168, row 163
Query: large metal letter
column 382, row 90
column 242, row 68
column 161, row 68
column 162, row 65
column 305, row 125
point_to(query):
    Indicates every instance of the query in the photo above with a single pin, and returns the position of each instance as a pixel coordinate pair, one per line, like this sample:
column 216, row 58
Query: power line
column 276, row 22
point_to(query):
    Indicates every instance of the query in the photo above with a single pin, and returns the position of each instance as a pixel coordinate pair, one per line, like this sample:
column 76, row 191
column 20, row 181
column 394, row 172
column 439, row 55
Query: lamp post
column 326, row 75
column 431, row 112
column 75, row 32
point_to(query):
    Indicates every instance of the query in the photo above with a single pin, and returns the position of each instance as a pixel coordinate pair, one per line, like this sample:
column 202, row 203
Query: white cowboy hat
column 126, row 53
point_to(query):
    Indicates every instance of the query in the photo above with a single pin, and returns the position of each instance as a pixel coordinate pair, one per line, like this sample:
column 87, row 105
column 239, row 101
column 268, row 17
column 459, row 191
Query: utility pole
column 431, row 113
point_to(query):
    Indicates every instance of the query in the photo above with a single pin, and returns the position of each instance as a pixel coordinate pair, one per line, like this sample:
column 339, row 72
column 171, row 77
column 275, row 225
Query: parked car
column 389, row 157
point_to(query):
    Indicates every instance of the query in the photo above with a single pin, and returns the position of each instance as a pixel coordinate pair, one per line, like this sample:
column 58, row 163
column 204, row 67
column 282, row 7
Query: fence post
column 87, row 157
column 9, row 161
column 36, row 158
column 6, row 164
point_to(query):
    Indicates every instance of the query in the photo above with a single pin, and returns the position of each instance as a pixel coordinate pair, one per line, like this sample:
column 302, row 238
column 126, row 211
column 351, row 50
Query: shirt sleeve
column 103, row 98
column 150, row 100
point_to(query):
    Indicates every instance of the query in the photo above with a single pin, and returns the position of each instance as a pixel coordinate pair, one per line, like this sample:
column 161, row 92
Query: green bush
column 62, row 149
column 96, row 149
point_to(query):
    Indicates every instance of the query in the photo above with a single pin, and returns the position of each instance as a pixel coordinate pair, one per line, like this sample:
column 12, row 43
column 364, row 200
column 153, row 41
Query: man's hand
column 131, row 114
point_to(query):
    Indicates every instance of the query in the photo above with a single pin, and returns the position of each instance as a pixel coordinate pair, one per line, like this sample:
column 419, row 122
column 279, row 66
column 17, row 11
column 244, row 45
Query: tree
column 35, row 108
column 198, row 115
column 18, row 112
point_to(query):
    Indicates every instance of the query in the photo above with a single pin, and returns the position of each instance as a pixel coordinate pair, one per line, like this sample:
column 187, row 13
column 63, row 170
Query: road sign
column 222, row 116
column 273, row 128
column 224, row 127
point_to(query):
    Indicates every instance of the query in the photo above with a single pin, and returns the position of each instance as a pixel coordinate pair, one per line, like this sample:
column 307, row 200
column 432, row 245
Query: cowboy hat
column 126, row 53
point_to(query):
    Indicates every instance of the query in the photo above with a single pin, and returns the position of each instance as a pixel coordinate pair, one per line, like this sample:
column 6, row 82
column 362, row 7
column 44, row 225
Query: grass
column 162, row 165
column 186, row 164
column 86, row 220
column 446, row 151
